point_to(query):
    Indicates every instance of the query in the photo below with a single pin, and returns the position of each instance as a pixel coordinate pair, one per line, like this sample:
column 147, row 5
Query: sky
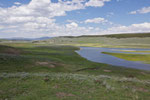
column 40, row 18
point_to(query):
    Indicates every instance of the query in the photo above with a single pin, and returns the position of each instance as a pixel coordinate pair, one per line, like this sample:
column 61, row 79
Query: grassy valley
column 74, row 49
column 52, row 70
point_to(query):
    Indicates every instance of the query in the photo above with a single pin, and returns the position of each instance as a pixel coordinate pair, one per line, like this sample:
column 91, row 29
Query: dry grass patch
column 107, row 71
column 49, row 64
column 62, row 94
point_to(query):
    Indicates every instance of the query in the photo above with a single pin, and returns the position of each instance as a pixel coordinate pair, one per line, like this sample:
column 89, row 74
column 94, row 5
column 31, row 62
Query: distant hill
column 27, row 39
column 132, row 40
column 131, row 35
column 43, row 38
column 128, row 35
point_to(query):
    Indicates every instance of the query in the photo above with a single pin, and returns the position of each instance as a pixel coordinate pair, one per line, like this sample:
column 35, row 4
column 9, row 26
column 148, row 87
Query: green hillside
column 116, row 41
column 129, row 35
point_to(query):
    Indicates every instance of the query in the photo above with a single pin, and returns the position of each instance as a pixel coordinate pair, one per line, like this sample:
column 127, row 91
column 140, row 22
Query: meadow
column 145, row 58
column 46, row 70
column 108, row 41
column 139, row 51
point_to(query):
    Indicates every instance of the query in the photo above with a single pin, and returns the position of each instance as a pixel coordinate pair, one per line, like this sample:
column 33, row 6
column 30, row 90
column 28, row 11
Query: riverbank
column 98, row 55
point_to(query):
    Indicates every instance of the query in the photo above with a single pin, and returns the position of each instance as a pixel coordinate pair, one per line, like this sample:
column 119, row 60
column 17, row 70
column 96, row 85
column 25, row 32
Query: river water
column 95, row 54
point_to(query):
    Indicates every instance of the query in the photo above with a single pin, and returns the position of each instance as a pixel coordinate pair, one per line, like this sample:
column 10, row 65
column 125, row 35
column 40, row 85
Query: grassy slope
column 115, row 41
column 129, row 35
column 146, row 51
column 57, row 72
column 131, row 57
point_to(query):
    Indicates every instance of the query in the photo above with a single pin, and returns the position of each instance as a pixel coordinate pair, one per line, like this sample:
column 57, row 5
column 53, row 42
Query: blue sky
column 37, row 18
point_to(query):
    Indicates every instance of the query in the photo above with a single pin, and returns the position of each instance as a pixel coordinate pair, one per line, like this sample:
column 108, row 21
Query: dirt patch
column 62, row 94
column 42, row 63
column 50, row 64
column 107, row 71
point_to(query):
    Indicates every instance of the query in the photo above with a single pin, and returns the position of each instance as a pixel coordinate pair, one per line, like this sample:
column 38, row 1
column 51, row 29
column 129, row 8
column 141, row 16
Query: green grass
column 60, row 86
column 132, row 57
column 91, row 41
column 109, row 41
column 146, row 51
column 129, row 35
column 41, row 72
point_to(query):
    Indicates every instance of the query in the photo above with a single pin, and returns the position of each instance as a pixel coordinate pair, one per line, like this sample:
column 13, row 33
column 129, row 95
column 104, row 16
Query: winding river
column 95, row 54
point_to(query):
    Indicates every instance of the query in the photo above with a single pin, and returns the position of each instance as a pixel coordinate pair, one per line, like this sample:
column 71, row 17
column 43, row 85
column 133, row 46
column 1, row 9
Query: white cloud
column 15, row 19
column 69, row 20
column 38, row 19
column 44, row 8
column 17, row 3
column 134, row 28
column 141, row 11
column 96, row 3
column 72, row 25
column 96, row 20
